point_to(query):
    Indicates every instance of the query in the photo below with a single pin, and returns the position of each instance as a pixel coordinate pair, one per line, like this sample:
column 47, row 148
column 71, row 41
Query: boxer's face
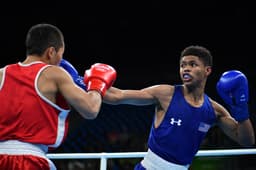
column 193, row 71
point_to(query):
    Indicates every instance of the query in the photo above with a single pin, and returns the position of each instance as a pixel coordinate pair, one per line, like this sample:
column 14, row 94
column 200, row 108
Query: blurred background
column 143, row 41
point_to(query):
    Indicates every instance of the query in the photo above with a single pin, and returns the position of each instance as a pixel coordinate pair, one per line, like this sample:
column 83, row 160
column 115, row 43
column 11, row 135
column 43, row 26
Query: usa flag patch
column 203, row 127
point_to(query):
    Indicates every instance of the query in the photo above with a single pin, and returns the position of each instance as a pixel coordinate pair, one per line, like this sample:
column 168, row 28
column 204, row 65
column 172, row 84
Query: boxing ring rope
column 104, row 156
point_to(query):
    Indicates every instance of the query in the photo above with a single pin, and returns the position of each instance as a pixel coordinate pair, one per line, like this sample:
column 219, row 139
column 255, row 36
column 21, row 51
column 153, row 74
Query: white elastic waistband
column 153, row 162
column 15, row 147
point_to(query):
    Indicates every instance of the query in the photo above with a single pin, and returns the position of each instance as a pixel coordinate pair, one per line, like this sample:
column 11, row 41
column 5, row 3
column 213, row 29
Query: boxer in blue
column 185, row 113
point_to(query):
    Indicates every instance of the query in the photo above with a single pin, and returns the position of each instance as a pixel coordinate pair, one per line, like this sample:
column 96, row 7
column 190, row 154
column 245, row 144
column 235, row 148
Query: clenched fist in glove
column 100, row 77
column 233, row 89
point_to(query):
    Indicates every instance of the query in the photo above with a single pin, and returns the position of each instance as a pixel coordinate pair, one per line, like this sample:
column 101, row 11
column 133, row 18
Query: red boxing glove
column 100, row 77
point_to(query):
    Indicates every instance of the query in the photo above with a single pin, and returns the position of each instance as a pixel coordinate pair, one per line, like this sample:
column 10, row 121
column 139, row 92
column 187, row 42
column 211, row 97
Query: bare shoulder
column 160, row 90
column 165, row 89
column 54, row 77
column 56, row 73
column 220, row 110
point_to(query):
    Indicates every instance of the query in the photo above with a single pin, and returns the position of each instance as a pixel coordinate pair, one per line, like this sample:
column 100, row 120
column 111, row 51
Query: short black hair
column 201, row 52
column 41, row 36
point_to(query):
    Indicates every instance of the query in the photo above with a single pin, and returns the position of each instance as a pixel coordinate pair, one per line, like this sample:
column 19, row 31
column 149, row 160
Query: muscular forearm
column 112, row 96
column 245, row 133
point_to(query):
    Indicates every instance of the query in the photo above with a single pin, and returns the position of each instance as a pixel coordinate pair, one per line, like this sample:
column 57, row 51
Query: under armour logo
column 178, row 122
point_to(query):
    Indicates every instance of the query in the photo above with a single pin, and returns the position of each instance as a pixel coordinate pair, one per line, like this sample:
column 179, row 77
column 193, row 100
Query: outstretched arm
column 117, row 96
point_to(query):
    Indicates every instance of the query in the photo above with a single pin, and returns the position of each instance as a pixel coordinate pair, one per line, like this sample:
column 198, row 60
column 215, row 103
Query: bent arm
column 88, row 104
column 117, row 96
column 241, row 132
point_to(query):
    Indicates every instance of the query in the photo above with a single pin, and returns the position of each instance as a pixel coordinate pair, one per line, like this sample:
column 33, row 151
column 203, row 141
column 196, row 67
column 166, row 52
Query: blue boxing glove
column 233, row 89
column 79, row 80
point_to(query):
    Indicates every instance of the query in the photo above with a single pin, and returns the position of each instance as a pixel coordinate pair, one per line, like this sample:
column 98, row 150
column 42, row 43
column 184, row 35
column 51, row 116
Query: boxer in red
column 36, row 96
